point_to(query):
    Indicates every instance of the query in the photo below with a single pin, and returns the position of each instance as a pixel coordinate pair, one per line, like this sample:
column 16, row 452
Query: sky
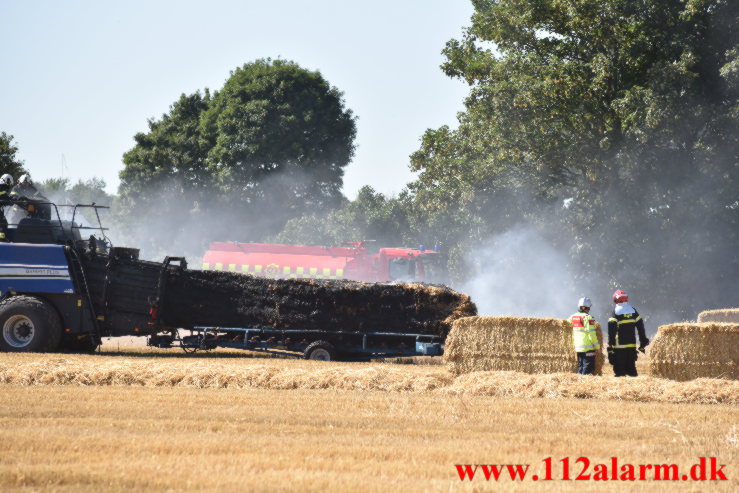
column 81, row 78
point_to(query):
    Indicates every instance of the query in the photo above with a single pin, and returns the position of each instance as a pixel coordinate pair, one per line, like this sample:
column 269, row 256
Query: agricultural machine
column 62, row 291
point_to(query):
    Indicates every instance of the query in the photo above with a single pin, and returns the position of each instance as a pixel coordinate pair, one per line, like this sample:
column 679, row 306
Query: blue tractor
column 59, row 291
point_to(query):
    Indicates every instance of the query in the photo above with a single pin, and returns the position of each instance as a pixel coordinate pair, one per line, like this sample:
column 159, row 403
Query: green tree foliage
column 9, row 163
column 90, row 191
column 64, row 194
column 165, row 180
column 276, row 119
column 267, row 147
column 628, row 108
column 371, row 216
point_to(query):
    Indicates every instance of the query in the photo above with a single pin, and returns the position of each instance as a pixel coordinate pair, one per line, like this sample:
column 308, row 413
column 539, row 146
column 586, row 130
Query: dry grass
column 686, row 351
column 121, row 439
column 727, row 315
column 524, row 344
column 231, row 370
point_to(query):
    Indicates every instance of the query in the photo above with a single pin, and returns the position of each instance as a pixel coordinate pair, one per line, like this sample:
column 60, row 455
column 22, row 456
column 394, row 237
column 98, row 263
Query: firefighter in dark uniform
column 623, row 325
column 35, row 204
column 6, row 185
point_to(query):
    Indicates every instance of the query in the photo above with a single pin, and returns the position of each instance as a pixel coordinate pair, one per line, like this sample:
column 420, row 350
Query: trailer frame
column 354, row 346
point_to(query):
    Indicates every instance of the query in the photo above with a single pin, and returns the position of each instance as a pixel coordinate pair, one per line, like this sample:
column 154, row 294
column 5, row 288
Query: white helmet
column 6, row 179
column 584, row 302
column 25, row 180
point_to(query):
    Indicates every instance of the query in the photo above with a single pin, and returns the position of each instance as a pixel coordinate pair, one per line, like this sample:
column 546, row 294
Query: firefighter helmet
column 620, row 297
column 6, row 179
column 25, row 180
column 584, row 302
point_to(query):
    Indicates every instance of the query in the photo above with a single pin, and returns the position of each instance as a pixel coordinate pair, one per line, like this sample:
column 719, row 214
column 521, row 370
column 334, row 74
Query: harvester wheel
column 320, row 351
column 28, row 324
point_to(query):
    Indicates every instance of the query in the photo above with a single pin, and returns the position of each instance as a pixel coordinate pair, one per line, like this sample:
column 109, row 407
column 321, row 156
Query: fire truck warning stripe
column 286, row 271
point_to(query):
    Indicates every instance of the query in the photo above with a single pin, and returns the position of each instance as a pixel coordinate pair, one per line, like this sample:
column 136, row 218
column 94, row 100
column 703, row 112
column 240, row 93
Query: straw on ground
column 140, row 370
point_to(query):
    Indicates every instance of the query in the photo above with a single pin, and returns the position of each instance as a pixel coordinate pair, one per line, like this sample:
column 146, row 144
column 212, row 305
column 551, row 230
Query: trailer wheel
column 28, row 324
column 320, row 351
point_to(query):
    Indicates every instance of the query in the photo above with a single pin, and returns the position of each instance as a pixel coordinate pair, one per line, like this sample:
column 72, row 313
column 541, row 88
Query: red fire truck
column 318, row 262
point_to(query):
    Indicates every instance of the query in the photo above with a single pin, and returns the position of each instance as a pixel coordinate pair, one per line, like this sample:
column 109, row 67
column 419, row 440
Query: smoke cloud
column 520, row 273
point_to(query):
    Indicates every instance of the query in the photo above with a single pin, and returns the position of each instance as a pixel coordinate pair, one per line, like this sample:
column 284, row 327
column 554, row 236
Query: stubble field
column 67, row 424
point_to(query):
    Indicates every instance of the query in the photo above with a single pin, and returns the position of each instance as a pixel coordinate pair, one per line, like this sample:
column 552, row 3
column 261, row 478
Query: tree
column 267, row 147
column 62, row 193
column 9, row 163
column 371, row 216
column 626, row 109
column 279, row 135
column 164, row 179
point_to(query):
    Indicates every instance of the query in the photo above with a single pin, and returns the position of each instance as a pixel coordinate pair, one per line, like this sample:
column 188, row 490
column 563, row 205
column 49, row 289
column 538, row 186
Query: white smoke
column 520, row 273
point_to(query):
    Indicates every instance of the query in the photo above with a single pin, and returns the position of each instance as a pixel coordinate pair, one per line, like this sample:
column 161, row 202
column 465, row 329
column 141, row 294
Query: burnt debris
column 224, row 299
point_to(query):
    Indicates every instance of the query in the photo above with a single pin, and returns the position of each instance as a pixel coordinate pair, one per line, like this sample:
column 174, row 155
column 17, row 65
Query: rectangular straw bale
column 686, row 351
column 726, row 315
column 525, row 344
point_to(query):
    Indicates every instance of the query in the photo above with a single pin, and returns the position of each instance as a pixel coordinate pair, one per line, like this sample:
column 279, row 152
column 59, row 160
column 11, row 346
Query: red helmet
column 620, row 297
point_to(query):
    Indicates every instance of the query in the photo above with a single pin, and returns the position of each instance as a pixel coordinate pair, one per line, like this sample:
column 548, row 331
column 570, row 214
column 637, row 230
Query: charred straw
column 224, row 299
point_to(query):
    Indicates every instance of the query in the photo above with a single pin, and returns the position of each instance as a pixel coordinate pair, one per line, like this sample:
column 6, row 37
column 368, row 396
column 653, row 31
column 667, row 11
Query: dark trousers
column 624, row 362
column 3, row 226
column 586, row 364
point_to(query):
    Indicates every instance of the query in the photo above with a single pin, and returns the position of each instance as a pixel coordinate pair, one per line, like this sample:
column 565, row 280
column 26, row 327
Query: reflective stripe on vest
column 581, row 349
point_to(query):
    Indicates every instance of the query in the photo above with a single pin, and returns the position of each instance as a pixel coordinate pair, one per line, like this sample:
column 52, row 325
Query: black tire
column 28, row 324
column 87, row 344
column 320, row 351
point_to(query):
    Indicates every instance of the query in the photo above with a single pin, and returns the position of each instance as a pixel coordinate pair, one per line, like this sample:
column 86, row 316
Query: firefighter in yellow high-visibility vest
column 585, row 337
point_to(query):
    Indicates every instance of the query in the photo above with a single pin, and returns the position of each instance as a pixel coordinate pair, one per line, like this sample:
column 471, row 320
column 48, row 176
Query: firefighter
column 35, row 204
column 585, row 337
column 623, row 325
column 6, row 184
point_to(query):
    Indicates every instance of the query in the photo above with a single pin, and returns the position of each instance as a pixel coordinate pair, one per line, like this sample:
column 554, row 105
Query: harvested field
column 235, row 372
column 687, row 351
column 234, row 300
column 727, row 315
column 121, row 439
column 523, row 344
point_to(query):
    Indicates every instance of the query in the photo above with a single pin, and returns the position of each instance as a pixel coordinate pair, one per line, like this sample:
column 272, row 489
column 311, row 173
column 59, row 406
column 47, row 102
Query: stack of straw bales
column 524, row 344
column 228, row 299
column 727, row 315
column 686, row 351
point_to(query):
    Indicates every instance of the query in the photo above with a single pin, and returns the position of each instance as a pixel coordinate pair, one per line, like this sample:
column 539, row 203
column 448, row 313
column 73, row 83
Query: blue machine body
column 28, row 268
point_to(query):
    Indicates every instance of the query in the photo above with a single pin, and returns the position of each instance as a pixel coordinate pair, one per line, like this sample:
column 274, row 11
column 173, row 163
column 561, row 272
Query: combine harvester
column 59, row 291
